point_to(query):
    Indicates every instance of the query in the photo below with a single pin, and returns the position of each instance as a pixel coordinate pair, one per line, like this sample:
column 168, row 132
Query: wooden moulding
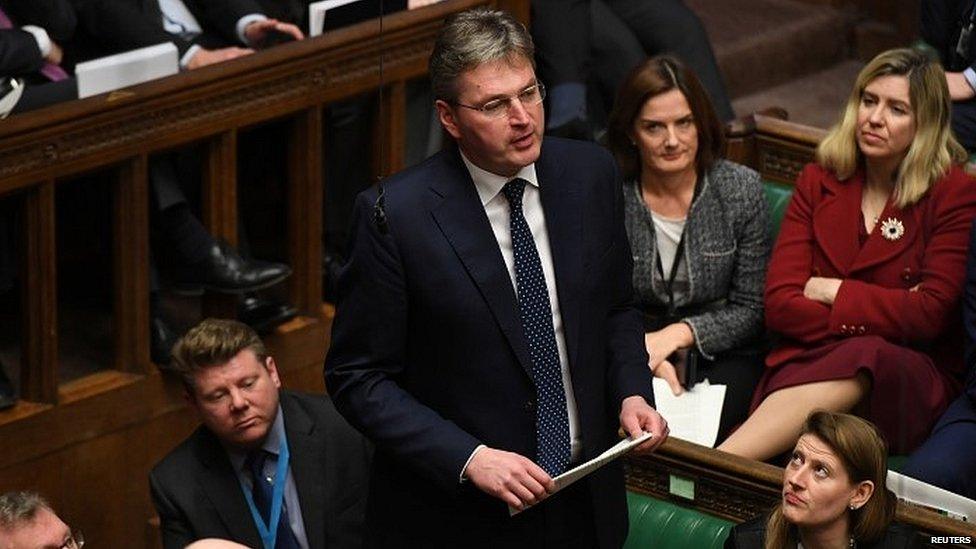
column 195, row 105
column 130, row 256
column 738, row 489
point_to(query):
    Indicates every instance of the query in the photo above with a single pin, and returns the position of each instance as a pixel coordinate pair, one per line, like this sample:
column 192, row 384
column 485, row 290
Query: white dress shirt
column 272, row 444
column 489, row 187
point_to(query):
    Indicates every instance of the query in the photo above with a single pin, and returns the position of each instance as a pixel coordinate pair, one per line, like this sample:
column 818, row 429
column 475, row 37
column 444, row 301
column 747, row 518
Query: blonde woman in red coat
column 864, row 282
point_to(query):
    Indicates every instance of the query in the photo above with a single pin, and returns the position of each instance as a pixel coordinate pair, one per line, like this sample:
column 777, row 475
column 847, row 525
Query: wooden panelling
column 305, row 210
column 130, row 256
column 39, row 302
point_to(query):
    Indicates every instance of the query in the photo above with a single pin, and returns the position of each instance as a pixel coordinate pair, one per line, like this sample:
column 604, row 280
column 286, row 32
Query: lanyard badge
column 269, row 531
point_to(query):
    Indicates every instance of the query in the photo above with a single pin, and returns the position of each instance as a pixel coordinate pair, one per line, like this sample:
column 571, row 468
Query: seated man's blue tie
column 261, row 491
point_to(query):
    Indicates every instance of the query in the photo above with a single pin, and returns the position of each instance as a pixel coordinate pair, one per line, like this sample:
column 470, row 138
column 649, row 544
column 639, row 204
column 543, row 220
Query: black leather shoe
column 264, row 314
column 161, row 341
column 225, row 271
column 7, row 396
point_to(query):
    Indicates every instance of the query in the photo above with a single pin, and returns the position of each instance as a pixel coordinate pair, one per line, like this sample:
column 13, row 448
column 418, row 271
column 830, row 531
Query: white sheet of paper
column 126, row 69
column 694, row 415
column 580, row 471
column 316, row 14
column 933, row 497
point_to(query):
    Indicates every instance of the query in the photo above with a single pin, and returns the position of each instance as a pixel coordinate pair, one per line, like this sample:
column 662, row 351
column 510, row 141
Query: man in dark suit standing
column 265, row 468
column 485, row 337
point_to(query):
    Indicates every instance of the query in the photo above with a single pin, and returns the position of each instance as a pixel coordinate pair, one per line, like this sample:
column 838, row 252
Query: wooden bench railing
column 95, row 438
column 721, row 484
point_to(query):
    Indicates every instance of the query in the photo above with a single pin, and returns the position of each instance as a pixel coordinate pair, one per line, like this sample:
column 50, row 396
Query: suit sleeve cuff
column 463, row 476
column 970, row 76
column 185, row 60
column 43, row 40
column 242, row 24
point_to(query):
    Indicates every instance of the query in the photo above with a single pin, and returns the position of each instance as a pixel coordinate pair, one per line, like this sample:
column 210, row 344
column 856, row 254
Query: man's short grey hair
column 472, row 38
column 17, row 508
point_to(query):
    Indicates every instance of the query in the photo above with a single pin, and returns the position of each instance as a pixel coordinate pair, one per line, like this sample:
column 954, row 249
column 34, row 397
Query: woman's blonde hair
column 863, row 452
column 933, row 150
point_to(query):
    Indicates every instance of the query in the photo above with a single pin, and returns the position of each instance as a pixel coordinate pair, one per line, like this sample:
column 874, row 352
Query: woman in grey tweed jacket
column 699, row 234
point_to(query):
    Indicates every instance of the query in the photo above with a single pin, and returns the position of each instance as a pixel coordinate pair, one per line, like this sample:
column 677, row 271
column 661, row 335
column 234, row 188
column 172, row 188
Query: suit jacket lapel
column 309, row 467
column 835, row 221
column 220, row 484
column 878, row 249
column 564, row 222
column 458, row 211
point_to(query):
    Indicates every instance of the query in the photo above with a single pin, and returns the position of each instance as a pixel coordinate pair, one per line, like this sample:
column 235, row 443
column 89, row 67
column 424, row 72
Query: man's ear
column 272, row 368
column 448, row 118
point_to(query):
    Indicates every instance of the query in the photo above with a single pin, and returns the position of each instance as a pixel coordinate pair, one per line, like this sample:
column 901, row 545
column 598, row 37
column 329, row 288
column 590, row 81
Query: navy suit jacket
column 428, row 358
column 197, row 494
column 19, row 54
column 122, row 25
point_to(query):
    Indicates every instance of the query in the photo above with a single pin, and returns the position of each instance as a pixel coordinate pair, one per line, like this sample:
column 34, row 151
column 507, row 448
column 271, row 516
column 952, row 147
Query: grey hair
column 472, row 38
column 20, row 507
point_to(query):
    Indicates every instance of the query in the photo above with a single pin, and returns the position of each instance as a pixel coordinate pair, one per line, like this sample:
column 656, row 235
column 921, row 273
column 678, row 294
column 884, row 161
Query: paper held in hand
column 580, row 471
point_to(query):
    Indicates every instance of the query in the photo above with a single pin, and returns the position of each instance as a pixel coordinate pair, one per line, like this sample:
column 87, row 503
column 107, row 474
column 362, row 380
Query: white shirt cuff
column 461, row 477
column 242, row 24
column 43, row 40
column 970, row 76
column 185, row 60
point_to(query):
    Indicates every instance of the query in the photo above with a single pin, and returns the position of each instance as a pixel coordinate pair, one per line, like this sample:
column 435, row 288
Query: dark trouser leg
column 964, row 124
column 346, row 166
column 37, row 96
column 616, row 51
column 948, row 458
column 740, row 373
column 669, row 26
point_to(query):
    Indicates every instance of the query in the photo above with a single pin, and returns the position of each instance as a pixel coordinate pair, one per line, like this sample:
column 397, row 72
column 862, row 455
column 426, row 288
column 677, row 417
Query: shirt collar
column 272, row 442
column 490, row 184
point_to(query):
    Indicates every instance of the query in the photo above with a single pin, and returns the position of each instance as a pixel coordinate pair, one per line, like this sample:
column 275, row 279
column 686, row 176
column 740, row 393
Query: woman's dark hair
column 863, row 452
column 651, row 78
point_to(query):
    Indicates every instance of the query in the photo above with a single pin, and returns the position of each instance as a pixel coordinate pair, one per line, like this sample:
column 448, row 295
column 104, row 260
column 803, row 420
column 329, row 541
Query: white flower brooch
column 892, row 229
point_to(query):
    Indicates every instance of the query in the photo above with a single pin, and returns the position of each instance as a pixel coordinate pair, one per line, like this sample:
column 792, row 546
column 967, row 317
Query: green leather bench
column 659, row 524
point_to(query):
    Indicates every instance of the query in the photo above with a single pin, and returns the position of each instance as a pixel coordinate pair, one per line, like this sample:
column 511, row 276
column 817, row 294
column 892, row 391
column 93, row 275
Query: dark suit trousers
column 948, row 459
column 669, row 26
column 964, row 123
column 37, row 96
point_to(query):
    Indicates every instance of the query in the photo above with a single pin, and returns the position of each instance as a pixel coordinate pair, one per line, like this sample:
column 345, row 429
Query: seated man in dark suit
column 31, row 38
column 266, row 466
column 948, row 458
column 203, row 31
column 948, row 26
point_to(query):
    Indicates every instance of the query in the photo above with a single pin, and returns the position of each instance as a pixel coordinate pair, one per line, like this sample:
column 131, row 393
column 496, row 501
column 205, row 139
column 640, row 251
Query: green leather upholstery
column 661, row 524
column 778, row 197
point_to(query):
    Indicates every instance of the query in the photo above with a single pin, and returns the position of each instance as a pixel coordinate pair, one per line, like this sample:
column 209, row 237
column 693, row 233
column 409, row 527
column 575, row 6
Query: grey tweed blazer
column 727, row 248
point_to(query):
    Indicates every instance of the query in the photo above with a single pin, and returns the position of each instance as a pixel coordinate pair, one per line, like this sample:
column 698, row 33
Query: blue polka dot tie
column 551, row 416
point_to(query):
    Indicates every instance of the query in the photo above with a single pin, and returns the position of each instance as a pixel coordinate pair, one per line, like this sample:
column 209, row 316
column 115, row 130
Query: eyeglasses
column 76, row 540
column 496, row 108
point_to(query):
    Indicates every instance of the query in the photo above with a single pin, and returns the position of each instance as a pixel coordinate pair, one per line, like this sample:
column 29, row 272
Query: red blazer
column 819, row 237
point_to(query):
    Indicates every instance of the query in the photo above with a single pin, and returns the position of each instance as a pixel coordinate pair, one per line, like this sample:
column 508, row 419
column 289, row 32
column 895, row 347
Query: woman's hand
column 822, row 289
column 661, row 344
